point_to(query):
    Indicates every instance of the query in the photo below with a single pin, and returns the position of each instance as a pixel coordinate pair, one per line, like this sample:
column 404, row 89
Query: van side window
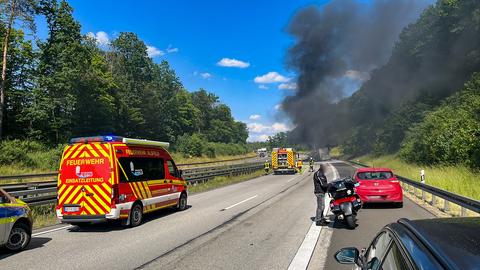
column 172, row 169
column 141, row 169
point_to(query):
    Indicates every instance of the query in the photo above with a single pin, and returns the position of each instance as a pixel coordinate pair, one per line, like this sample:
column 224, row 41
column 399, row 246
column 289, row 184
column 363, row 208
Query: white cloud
column 254, row 117
column 280, row 127
column 288, row 86
column 263, row 86
column 231, row 62
column 257, row 127
column 101, row 38
column 357, row 75
column 154, row 52
column 271, row 77
column 278, row 107
column 258, row 138
column 206, row 75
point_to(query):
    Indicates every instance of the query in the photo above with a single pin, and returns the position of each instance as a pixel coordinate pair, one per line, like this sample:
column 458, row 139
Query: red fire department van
column 110, row 177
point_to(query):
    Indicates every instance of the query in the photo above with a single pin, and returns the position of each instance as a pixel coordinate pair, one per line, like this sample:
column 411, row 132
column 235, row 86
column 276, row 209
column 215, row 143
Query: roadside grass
column 456, row 179
column 44, row 215
column 221, row 181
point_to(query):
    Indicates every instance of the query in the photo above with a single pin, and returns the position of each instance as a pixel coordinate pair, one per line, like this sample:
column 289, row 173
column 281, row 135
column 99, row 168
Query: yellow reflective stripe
column 100, row 149
column 105, row 197
column 85, row 154
column 123, row 171
column 147, row 189
column 78, row 198
column 8, row 220
column 13, row 204
column 140, row 187
column 75, row 191
column 105, row 206
column 62, row 197
column 71, row 151
column 94, row 153
column 79, row 149
column 134, row 190
column 61, row 188
column 86, row 206
column 94, row 205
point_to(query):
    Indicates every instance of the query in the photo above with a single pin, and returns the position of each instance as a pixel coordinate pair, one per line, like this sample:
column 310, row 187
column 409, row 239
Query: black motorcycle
column 345, row 202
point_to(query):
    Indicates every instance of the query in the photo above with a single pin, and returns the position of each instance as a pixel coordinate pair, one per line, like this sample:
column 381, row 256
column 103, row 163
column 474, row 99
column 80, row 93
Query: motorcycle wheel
column 350, row 220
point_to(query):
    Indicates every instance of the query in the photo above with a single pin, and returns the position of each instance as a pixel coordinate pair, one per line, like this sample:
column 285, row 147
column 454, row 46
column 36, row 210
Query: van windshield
column 374, row 175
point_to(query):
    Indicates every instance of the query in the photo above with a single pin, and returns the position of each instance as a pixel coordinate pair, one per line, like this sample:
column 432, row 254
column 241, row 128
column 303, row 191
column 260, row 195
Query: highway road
column 264, row 223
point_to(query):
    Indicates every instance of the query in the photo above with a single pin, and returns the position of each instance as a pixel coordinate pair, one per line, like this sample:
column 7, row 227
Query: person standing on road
column 311, row 165
column 320, row 188
column 267, row 167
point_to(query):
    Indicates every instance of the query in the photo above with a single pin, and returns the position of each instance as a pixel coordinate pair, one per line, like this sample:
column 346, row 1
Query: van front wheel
column 182, row 202
column 136, row 215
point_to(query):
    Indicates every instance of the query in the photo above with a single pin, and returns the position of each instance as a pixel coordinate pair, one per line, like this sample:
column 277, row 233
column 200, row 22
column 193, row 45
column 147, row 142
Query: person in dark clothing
column 320, row 188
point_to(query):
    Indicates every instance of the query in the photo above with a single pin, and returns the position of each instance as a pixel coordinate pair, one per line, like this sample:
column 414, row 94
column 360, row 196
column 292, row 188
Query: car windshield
column 374, row 175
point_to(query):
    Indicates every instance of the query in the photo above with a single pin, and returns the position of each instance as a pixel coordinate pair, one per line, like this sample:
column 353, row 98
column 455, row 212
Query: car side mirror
column 348, row 255
column 3, row 199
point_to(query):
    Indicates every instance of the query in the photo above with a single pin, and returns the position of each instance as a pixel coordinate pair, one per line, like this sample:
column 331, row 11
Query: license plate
column 375, row 197
column 71, row 209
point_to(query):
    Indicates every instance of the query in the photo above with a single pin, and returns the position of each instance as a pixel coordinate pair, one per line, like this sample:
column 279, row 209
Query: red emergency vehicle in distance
column 110, row 177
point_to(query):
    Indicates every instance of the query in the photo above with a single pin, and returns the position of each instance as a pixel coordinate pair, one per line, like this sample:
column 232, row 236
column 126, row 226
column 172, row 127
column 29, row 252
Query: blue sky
column 193, row 36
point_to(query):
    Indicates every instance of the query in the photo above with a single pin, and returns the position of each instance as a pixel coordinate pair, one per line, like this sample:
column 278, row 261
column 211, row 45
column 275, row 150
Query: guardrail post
column 434, row 200
column 463, row 212
column 415, row 191
column 423, row 195
column 446, row 206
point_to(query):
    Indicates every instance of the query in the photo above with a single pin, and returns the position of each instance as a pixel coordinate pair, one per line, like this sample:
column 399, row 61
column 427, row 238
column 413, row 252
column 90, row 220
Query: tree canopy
column 67, row 86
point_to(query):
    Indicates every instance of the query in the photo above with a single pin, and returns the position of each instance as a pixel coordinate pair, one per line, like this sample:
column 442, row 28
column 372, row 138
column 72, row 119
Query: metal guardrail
column 40, row 193
column 54, row 174
column 412, row 186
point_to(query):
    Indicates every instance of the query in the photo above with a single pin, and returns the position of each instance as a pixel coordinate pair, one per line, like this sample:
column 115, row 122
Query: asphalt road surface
column 264, row 223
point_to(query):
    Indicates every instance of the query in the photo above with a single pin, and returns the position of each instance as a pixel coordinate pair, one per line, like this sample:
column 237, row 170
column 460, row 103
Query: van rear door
column 85, row 179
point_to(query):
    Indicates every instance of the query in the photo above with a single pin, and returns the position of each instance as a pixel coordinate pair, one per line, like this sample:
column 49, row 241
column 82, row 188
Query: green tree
column 12, row 10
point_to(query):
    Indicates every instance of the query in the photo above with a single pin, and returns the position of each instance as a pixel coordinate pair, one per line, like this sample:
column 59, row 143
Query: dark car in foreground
column 445, row 243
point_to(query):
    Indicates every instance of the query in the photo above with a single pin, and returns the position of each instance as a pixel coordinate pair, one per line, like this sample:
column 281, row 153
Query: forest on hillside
column 67, row 86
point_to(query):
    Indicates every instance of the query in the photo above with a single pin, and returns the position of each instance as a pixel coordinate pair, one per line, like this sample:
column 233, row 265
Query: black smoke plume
column 337, row 46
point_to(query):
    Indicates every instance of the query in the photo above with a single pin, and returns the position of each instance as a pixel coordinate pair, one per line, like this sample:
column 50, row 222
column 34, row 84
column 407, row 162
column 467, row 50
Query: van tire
column 182, row 202
column 136, row 215
column 19, row 237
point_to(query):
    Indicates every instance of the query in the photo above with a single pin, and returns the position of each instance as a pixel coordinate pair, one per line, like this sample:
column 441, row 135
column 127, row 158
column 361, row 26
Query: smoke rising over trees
column 406, row 56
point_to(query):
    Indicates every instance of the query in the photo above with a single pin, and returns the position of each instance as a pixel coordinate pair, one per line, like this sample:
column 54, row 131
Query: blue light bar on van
column 96, row 139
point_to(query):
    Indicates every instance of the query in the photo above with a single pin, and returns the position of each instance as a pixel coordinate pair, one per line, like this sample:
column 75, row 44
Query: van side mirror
column 180, row 173
column 348, row 255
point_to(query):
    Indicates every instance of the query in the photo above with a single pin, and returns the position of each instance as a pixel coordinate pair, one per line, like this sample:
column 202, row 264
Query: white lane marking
column 323, row 245
column 233, row 205
column 53, row 230
column 304, row 253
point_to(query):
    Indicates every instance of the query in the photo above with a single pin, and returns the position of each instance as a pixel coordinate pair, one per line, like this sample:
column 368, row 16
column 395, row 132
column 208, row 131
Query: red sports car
column 378, row 185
